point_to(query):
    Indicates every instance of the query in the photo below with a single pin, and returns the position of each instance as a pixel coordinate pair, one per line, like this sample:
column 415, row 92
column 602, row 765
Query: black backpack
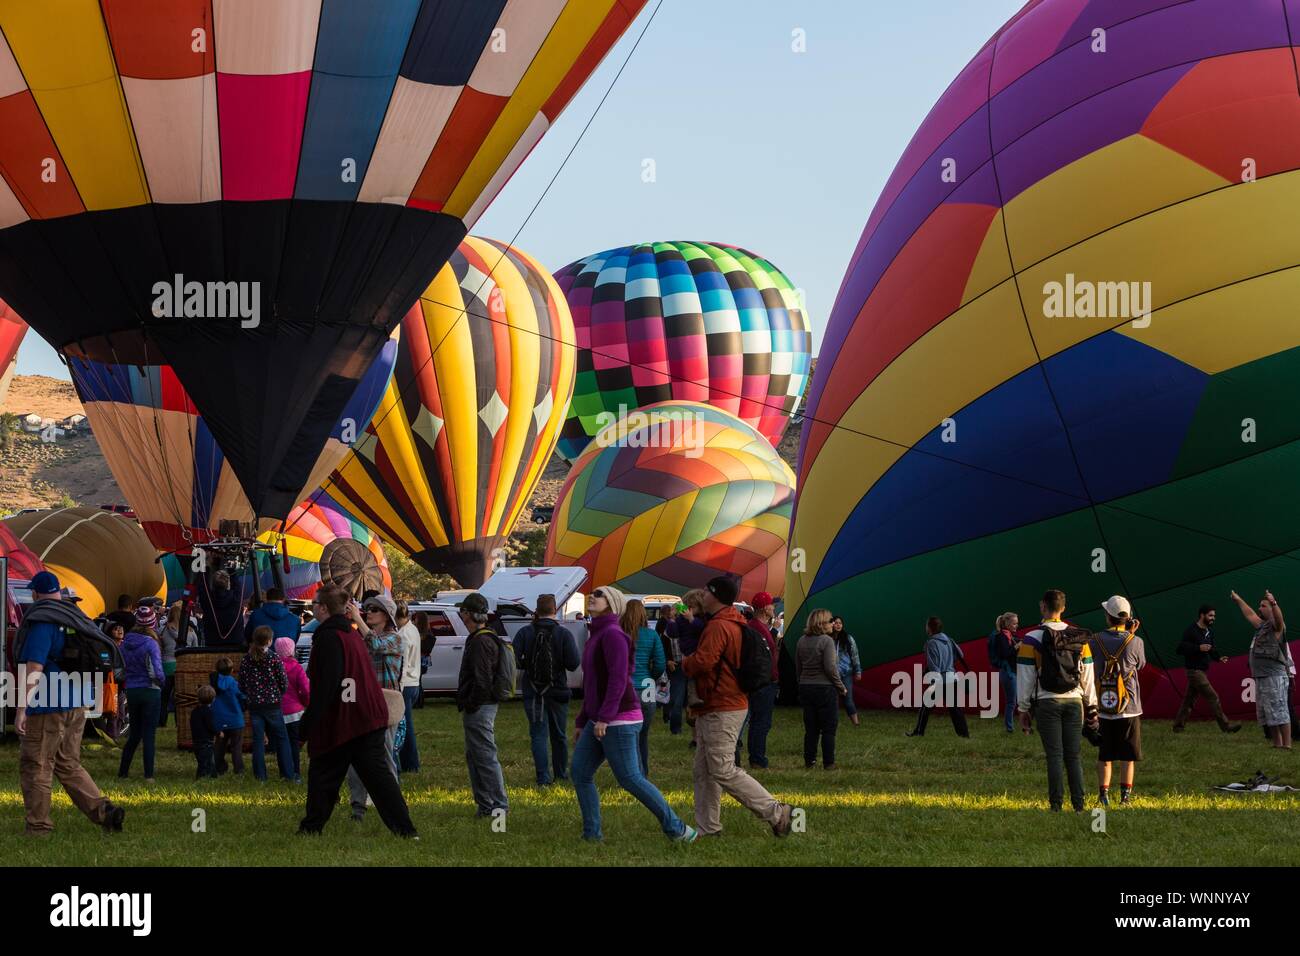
column 540, row 664
column 1058, row 670
column 755, row 670
column 84, row 651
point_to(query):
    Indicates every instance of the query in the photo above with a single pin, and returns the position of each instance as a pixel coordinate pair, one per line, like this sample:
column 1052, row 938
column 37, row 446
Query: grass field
column 893, row 801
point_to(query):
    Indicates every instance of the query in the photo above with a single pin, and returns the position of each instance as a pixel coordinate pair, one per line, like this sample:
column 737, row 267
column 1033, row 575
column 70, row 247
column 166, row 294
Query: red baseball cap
column 762, row 599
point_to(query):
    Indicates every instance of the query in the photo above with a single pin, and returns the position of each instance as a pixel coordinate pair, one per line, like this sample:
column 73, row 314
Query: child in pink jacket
column 295, row 699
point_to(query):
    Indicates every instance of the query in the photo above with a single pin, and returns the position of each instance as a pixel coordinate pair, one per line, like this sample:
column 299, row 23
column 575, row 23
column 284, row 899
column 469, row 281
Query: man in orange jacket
column 720, row 716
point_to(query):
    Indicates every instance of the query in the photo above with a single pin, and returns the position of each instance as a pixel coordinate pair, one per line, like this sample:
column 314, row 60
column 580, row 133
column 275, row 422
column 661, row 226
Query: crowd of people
column 704, row 665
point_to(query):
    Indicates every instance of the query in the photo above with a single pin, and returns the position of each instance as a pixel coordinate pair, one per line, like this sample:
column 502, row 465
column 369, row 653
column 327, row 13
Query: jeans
column 821, row 716
column 619, row 747
column 1060, row 725
column 850, row 707
column 762, row 705
column 408, row 758
column 486, row 781
column 168, row 693
column 676, row 700
column 643, row 736
column 1007, row 679
column 356, row 785
column 268, row 722
column 547, row 719
column 144, row 705
column 292, row 728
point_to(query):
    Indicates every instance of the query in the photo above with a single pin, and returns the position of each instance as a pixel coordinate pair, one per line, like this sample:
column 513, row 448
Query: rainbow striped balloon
column 684, row 321
column 671, row 496
column 1065, row 353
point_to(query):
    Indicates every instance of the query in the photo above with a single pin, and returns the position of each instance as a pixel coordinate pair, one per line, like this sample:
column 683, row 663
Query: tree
column 410, row 581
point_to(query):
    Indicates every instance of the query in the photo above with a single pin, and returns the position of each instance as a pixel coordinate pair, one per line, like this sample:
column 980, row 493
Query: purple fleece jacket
column 607, row 673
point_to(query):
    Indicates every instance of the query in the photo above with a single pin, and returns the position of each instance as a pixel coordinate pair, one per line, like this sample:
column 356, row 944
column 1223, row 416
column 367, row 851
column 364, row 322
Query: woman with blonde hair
column 1003, row 646
column 817, row 670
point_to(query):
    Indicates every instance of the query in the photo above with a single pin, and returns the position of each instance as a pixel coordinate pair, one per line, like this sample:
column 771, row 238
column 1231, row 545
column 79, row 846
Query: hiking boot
column 784, row 813
column 113, row 817
column 1232, row 728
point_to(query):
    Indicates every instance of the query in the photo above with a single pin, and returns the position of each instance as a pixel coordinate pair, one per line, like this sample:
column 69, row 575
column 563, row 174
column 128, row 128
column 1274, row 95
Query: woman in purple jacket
column 610, row 721
column 142, row 655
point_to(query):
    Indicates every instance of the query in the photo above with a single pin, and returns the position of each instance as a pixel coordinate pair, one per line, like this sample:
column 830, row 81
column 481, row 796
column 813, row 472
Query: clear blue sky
column 753, row 144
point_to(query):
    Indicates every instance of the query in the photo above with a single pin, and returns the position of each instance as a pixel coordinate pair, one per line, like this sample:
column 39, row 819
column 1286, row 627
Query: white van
column 512, row 594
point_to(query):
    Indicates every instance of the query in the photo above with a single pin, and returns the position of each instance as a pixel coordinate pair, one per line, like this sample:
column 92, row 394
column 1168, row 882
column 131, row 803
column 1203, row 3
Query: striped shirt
column 1028, row 661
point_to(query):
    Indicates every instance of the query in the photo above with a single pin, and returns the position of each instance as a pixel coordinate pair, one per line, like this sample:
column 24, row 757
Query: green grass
column 894, row 801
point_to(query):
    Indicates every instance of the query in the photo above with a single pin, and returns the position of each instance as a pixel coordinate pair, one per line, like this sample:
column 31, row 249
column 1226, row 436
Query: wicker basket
column 194, row 666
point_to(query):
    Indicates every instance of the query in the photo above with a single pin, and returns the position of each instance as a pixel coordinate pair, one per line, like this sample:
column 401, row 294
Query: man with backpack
column 546, row 651
column 731, row 662
column 1119, row 655
column 487, row 677
column 59, row 650
column 1054, row 682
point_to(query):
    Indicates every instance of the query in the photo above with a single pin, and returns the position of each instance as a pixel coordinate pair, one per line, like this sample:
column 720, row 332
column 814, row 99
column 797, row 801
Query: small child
column 203, row 729
column 228, row 717
column 296, row 697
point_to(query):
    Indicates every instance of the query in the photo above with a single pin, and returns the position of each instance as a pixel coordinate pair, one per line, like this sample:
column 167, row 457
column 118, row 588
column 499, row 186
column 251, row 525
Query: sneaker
column 1055, row 808
column 784, row 813
column 914, row 733
column 689, row 835
column 113, row 818
column 369, row 802
column 1232, row 728
column 1126, row 797
column 1103, row 798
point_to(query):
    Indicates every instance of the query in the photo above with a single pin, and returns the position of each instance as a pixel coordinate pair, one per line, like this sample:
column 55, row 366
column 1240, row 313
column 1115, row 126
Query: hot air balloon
column 12, row 330
column 253, row 192
column 98, row 554
column 1065, row 354
column 166, row 459
column 471, row 416
column 23, row 563
column 693, row 321
column 671, row 496
column 324, row 546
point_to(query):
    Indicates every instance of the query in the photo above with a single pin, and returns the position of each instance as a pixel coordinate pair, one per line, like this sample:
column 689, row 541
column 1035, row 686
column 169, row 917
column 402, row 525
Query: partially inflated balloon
column 254, row 192
column 472, row 413
column 166, row 460
column 1065, row 353
column 98, row 554
column 671, row 496
column 12, row 330
column 23, row 564
column 692, row 321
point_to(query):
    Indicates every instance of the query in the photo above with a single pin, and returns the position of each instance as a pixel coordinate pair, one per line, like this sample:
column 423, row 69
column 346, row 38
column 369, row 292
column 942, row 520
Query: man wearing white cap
column 1118, row 655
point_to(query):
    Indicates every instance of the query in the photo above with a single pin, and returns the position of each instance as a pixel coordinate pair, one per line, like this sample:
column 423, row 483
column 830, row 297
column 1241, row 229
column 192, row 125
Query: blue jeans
column 547, row 720
column 268, row 721
column 1008, row 681
column 676, row 699
column 620, row 748
column 486, row 781
column 643, row 738
column 850, row 706
column 762, row 705
column 144, row 705
column 408, row 758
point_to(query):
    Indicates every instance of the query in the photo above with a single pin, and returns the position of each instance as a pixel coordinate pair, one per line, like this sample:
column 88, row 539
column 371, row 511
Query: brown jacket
column 714, row 664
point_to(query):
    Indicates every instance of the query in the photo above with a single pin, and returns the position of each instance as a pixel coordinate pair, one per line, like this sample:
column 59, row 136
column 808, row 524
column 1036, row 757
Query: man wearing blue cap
column 52, row 726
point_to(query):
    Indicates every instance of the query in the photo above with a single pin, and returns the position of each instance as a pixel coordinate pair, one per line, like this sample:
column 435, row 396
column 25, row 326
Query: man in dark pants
column 546, row 695
column 942, row 657
column 346, row 722
column 762, row 702
column 1197, row 650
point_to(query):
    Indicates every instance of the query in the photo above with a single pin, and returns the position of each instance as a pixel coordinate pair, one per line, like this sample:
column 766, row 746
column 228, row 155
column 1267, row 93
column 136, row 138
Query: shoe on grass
column 1232, row 728
column 784, row 813
column 689, row 835
column 113, row 818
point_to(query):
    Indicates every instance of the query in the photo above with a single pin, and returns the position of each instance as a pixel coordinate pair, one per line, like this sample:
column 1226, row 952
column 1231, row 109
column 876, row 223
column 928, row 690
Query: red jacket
column 715, row 661
column 338, row 654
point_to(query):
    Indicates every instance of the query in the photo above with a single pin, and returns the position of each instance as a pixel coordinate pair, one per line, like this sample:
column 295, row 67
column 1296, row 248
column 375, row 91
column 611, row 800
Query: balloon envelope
column 12, row 330
column 671, row 496
column 471, row 415
column 692, row 321
column 254, row 192
column 1062, row 360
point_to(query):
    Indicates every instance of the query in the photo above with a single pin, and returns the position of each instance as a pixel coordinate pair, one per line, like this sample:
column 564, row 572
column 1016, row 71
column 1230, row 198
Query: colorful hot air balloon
column 254, row 192
column 692, row 321
column 1065, row 353
column 472, row 413
column 23, row 562
column 166, row 460
column 671, row 496
column 98, row 554
column 325, row 546
column 12, row 330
